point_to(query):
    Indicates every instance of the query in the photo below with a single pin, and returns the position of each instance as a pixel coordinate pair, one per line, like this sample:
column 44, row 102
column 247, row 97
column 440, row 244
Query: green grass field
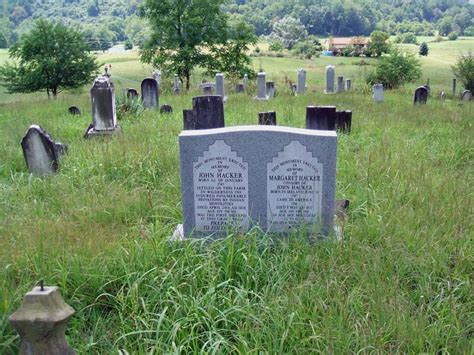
column 399, row 282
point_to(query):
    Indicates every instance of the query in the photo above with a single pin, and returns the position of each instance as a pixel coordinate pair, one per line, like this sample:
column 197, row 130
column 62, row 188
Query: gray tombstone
column 301, row 87
column 157, row 76
column 348, row 84
column 41, row 152
column 246, row 81
column 466, row 95
column 220, row 88
column 377, row 90
column 279, row 178
column 150, row 93
column 176, row 84
column 321, row 118
column 454, row 87
column 343, row 121
column 166, row 109
column 262, row 87
column 132, row 94
column 208, row 112
column 330, row 75
column 340, row 84
column 267, row 118
column 104, row 119
column 207, row 89
column 74, row 110
column 270, row 85
column 442, row 96
column 239, row 88
column 421, row 96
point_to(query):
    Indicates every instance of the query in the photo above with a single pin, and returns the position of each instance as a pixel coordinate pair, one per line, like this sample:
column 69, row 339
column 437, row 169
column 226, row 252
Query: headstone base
column 329, row 92
column 91, row 132
column 266, row 98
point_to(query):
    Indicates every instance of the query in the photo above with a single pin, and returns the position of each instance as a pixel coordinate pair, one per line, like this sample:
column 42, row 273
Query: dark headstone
column 239, row 88
column 41, row 152
column 267, row 118
column 454, row 87
column 132, row 93
column 466, row 95
column 293, row 88
column 104, row 119
column 74, row 110
column 343, row 121
column 150, row 93
column 420, row 96
column 166, row 109
column 188, row 119
column 321, row 117
column 208, row 112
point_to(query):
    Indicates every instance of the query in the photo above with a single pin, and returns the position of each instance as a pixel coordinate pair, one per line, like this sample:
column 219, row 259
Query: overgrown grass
column 401, row 281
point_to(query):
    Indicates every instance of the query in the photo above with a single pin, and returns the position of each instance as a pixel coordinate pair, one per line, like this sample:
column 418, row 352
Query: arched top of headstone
column 421, row 95
column 74, row 110
column 466, row 95
column 102, row 82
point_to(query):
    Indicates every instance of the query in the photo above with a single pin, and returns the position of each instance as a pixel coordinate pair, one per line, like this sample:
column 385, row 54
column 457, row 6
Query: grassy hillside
column 400, row 281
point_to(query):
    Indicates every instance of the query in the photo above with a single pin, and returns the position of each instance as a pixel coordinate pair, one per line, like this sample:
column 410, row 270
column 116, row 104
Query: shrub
column 128, row 44
column 395, row 70
column 453, row 36
column 409, row 38
column 276, row 46
column 469, row 31
column 438, row 39
column 464, row 70
column 305, row 49
column 424, row 49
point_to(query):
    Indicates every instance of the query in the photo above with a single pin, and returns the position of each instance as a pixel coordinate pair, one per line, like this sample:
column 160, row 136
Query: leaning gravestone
column 279, row 178
column 220, row 88
column 421, row 96
column 261, row 87
column 330, row 75
column 150, row 93
column 41, row 152
column 377, row 90
column 270, row 85
column 466, row 95
column 74, row 110
column 104, row 119
column 301, row 87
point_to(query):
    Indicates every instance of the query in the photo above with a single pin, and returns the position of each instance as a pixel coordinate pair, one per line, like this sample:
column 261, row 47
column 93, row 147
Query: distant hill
column 108, row 21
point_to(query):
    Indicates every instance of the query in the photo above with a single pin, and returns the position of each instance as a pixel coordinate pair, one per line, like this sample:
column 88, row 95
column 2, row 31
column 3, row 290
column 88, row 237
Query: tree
column 464, row 70
column 378, row 43
column 423, row 49
column 3, row 41
column 395, row 70
column 453, row 36
column 445, row 25
column 289, row 31
column 49, row 58
column 187, row 34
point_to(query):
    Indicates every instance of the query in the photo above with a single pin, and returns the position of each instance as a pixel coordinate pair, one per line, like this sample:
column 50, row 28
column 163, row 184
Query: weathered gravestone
column 321, row 118
column 340, row 84
column 207, row 112
column 267, row 118
column 261, row 87
column 421, row 96
column 150, row 93
column 132, row 93
column 279, row 178
column 157, row 76
column 343, row 121
column 377, row 90
column 270, row 85
column 454, row 87
column 41, row 152
column 207, row 88
column 466, row 95
column 188, row 119
column 348, row 84
column 74, row 110
column 176, row 84
column 301, row 87
column 166, row 108
column 442, row 96
column 330, row 75
column 220, row 87
column 239, row 88
column 104, row 119
column 246, row 81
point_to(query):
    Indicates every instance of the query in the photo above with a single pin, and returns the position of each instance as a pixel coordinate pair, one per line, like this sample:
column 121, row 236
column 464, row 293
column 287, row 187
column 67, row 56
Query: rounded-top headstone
column 74, row 110
column 208, row 112
column 150, row 93
column 421, row 95
column 166, row 109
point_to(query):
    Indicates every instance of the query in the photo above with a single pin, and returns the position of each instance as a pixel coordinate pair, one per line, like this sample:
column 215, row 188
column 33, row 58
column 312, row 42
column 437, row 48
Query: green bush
column 469, row 31
column 128, row 44
column 276, row 46
column 464, row 70
column 453, row 36
column 409, row 38
column 395, row 70
column 305, row 49
column 424, row 49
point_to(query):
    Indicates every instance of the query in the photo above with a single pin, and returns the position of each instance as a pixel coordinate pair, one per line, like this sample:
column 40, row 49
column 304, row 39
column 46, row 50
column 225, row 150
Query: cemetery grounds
column 399, row 281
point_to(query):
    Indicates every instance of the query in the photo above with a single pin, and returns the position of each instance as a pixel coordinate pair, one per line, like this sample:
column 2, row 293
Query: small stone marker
column 377, row 90
column 301, row 87
column 220, row 88
column 466, row 95
column 132, row 93
column 267, row 118
column 348, row 84
column 74, row 110
column 454, row 87
column 270, row 85
column 150, row 93
column 41, row 322
column 207, row 88
column 177, row 84
column 279, row 178
column 188, row 119
column 208, row 112
column 321, row 118
column 442, row 96
column 239, row 88
column 246, row 81
column 166, row 109
column 41, row 152
column 343, row 121
column 330, row 75
column 293, row 88
column 421, row 96
column 340, row 84
column 261, row 87
column 104, row 119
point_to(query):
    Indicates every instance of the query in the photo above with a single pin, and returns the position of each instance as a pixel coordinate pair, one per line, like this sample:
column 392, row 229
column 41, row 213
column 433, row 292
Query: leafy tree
column 395, row 70
column 379, row 43
column 51, row 58
column 453, row 36
column 128, row 44
column 289, row 31
column 464, row 70
column 423, row 49
column 469, row 31
column 189, row 34
column 445, row 25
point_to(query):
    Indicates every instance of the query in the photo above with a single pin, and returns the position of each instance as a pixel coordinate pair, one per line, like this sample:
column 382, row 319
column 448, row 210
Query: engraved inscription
column 220, row 189
column 294, row 180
